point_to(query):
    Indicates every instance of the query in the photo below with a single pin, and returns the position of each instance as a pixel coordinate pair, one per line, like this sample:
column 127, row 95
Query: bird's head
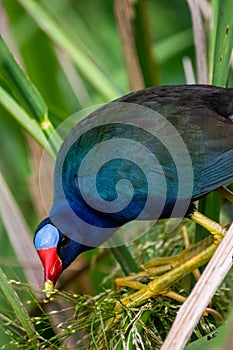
column 56, row 252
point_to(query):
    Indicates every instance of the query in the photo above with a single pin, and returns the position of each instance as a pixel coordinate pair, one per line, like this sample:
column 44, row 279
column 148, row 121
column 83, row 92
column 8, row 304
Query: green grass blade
column 167, row 48
column 84, row 63
column 20, row 312
column 125, row 259
column 143, row 41
column 28, row 97
column 212, row 37
column 30, row 125
column 210, row 206
column 224, row 43
column 20, row 85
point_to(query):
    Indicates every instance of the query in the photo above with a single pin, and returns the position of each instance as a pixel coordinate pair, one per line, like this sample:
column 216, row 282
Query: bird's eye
column 64, row 242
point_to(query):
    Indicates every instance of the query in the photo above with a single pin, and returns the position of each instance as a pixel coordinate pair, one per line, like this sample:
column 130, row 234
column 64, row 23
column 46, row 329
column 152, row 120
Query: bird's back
column 202, row 116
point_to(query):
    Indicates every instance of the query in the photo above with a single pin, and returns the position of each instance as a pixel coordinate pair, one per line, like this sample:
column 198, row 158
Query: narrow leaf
column 224, row 43
column 143, row 40
column 167, row 48
column 20, row 312
column 30, row 125
column 20, row 85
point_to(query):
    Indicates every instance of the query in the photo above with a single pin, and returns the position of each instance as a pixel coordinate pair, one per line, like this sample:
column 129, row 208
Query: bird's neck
column 85, row 226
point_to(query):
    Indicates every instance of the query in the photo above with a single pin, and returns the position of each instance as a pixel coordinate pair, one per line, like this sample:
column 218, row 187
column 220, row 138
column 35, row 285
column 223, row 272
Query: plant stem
column 20, row 311
column 143, row 40
column 125, row 259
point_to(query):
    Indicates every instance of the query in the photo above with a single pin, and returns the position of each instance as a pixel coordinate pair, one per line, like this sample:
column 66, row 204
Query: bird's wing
column 217, row 173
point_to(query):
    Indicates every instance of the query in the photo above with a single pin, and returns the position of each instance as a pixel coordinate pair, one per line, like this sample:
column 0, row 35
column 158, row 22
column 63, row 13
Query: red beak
column 52, row 267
